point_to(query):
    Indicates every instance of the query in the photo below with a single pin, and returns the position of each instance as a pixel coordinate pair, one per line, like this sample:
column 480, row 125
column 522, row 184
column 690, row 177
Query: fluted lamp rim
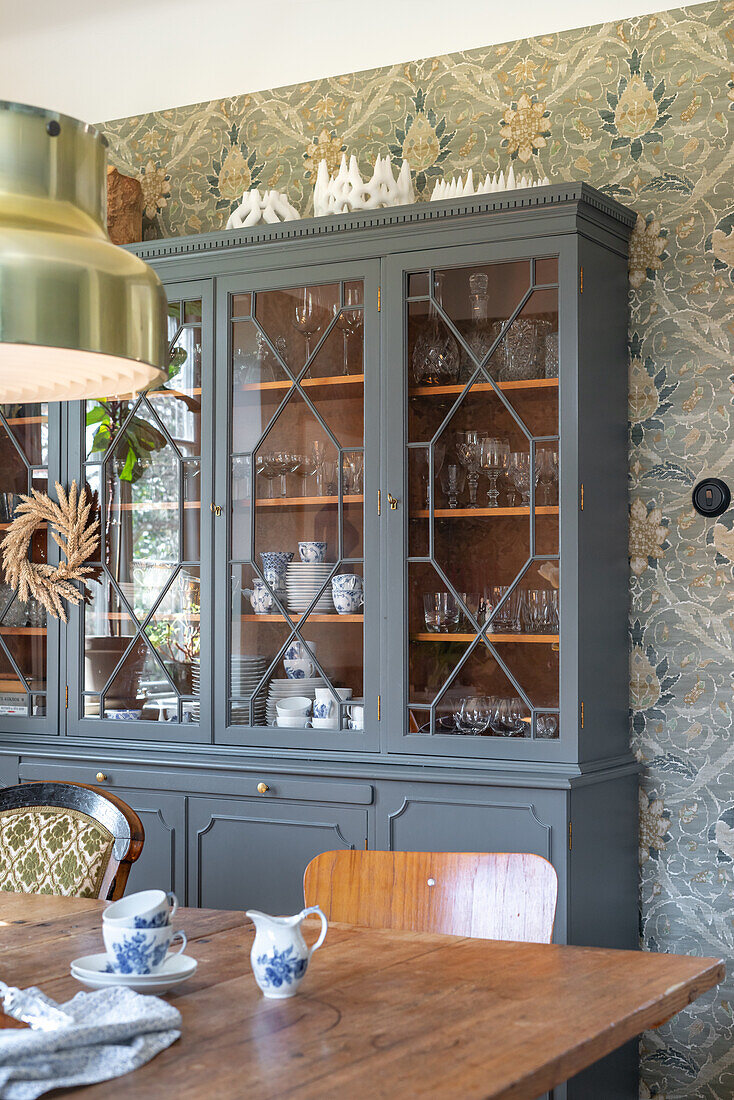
column 79, row 316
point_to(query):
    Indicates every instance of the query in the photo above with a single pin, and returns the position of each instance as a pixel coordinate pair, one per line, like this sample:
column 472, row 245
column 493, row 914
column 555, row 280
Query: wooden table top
column 380, row 1014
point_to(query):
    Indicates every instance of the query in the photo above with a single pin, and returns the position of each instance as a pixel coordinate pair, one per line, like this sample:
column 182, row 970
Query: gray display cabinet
column 437, row 393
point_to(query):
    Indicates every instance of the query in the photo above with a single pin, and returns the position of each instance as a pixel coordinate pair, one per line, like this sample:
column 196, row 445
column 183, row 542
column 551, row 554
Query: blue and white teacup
column 325, row 705
column 139, row 950
column 145, row 909
column 347, row 582
column 275, row 566
column 312, row 552
column 298, row 662
column 347, row 590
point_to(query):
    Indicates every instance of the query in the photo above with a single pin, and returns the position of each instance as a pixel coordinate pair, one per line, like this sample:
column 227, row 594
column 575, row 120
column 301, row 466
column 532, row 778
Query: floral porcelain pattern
column 281, row 968
column 643, row 109
column 135, row 955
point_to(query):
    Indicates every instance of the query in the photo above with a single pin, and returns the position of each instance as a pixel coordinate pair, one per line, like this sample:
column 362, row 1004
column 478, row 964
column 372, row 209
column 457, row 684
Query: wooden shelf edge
column 332, row 617
column 307, row 383
column 497, row 513
column 36, row 631
column 294, row 502
column 484, row 387
column 522, row 639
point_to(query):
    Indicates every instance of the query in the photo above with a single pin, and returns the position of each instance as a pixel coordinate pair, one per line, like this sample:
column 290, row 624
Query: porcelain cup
column 297, row 660
column 275, row 566
column 356, row 717
column 260, row 597
column 325, row 705
column 325, row 723
column 293, row 721
column 146, row 909
column 312, row 552
column 139, row 950
column 347, row 582
column 295, row 706
column 347, row 603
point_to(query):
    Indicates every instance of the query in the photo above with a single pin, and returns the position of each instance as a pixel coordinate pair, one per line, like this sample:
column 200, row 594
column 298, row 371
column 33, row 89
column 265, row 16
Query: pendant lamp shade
column 79, row 317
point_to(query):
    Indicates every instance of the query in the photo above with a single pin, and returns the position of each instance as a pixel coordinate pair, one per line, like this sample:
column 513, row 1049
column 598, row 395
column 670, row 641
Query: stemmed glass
column 305, row 318
column 469, row 450
column 285, row 463
column 267, row 466
column 352, row 467
column 546, row 462
column 453, row 479
column 439, row 453
column 493, row 458
column 306, row 468
column 350, row 319
column 520, row 474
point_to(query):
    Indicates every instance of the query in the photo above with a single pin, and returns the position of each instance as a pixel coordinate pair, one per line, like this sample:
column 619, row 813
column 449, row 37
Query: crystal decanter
column 436, row 352
column 481, row 332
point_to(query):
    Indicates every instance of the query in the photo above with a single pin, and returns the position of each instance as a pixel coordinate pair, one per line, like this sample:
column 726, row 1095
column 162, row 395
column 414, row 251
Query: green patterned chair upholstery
column 68, row 839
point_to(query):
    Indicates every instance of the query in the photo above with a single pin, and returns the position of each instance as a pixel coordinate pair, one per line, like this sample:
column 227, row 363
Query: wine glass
column 492, row 461
column 352, row 466
column 520, row 473
column 453, row 480
column 267, row 466
column 469, row 450
column 350, row 319
column 507, row 719
column 474, row 714
column 439, row 453
column 305, row 319
column 305, row 469
column 440, row 612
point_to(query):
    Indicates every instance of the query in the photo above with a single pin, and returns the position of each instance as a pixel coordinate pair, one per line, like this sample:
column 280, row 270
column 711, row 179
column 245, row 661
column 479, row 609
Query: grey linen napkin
column 112, row 1032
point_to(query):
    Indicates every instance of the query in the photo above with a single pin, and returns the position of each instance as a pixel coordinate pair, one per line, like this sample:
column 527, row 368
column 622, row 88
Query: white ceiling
column 104, row 59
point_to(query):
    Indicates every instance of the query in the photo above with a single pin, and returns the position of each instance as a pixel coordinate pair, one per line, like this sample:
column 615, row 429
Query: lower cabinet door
column 162, row 863
column 251, row 854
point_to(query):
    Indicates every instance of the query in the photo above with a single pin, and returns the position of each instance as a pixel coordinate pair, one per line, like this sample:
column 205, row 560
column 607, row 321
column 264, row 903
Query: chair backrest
column 67, row 838
column 486, row 895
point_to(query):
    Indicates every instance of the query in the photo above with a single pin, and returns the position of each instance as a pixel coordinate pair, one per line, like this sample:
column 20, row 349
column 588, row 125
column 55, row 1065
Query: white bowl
column 294, row 721
column 296, row 704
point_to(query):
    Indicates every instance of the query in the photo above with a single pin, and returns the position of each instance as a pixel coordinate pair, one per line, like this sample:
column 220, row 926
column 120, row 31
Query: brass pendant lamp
column 79, row 317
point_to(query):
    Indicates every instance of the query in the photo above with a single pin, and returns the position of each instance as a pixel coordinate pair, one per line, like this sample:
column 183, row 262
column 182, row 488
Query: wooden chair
column 490, row 896
column 67, row 838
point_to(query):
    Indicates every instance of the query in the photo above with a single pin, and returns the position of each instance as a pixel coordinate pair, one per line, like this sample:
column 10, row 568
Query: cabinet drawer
column 288, row 788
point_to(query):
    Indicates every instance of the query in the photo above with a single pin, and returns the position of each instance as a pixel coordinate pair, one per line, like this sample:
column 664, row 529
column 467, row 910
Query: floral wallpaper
column 644, row 110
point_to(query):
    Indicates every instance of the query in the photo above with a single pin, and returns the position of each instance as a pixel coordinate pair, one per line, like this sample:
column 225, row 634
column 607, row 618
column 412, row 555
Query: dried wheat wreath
column 78, row 539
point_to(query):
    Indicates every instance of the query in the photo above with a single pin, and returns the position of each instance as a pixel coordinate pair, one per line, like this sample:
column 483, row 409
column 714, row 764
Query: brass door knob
column 262, row 788
column 101, row 777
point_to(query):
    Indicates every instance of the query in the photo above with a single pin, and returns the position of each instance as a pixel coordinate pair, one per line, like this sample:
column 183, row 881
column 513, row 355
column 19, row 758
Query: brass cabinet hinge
column 67, row 696
column 570, row 836
column 379, row 502
column 366, row 844
column 582, row 715
column 581, row 280
column 379, row 299
column 379, row 708
column 581, row 496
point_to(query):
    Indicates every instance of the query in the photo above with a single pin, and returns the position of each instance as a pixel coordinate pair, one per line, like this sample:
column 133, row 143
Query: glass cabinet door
column 147, row 459
column 301, row 371
column 29, row 459
column 481, row 522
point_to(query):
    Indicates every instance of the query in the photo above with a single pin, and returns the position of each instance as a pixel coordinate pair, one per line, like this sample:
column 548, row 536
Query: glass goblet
column 453, row 480
column 474, row 714
column 305, row 316
column 492, row 461
column 440, row 612
column 285, row 463
column 350, row 320
column 520, row 472
column 305, row 469
column 267, row 466
column 469, row 450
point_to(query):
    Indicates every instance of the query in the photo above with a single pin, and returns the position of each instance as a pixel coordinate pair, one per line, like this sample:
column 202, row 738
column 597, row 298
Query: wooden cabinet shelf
column 521, row 639
column 334, row 387
column 41, row 526
column 35, row 631
column 26, row 420
column 299, row 502
column 157, row 505
column 496, row 513
column 332, row 617
column 484, row 387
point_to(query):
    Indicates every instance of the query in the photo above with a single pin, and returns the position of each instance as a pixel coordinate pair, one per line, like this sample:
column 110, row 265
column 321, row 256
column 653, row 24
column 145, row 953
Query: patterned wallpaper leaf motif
column 642, row 108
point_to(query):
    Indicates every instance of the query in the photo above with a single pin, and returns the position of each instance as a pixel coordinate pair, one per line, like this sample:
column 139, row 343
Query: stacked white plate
column 92, row 971
column 303, row 580
column 247, row 671
column 195, row 687
column 283, row 689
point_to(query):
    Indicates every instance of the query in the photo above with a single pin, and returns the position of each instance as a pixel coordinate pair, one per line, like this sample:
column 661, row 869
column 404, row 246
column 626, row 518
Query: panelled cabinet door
column 476, row 456
column 161, row 864
column 297, row 541
column 143, row 635
column 252, row 853
column 30, row 446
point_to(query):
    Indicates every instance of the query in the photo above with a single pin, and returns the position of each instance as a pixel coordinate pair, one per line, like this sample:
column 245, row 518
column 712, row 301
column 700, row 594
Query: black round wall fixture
column 711, row 497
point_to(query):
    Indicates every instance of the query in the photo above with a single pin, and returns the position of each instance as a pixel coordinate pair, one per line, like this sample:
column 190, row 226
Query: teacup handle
column 361, row 599
column 324, row 927
column 173, row 902
column 184, row 941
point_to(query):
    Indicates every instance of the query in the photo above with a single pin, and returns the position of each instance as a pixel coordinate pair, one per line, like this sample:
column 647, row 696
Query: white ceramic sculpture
column 348, row 191
column 455, row 189
column 271, row 206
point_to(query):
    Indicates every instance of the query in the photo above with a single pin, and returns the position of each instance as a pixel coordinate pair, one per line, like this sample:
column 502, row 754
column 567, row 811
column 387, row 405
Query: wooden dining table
column 380, row 1013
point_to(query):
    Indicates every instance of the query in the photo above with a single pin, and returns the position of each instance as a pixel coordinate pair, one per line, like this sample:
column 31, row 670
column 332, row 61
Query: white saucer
column 90, row 971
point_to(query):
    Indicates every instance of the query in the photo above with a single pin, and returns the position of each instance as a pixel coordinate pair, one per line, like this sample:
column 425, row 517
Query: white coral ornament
column 271, row 206
column 456, row 189
column 348, row 191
